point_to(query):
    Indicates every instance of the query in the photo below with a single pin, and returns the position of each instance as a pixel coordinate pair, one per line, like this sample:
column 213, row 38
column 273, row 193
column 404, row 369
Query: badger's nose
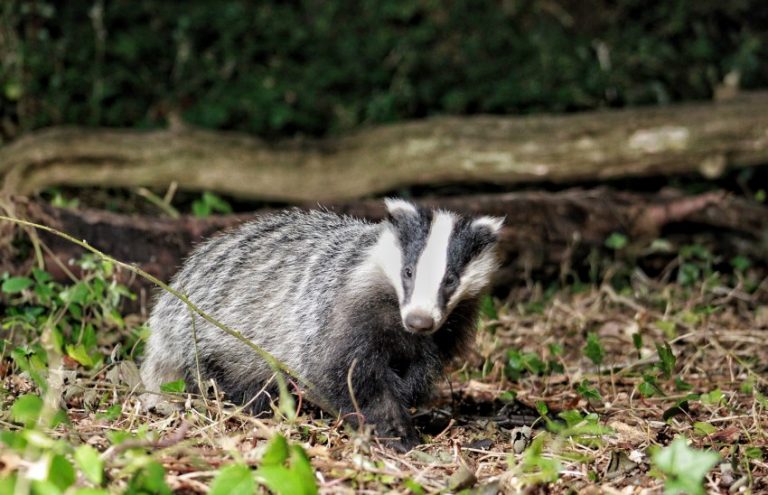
column 419, row 322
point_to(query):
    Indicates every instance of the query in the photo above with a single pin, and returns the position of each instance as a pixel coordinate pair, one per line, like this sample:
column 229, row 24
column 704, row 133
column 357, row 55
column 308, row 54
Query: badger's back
column 275, row 280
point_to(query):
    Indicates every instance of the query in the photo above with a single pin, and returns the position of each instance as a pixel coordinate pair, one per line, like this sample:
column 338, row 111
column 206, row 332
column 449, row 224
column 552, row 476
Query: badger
column 369, row 313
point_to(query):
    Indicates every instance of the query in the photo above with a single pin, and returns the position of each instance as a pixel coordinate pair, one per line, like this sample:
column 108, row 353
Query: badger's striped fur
column 320, row 291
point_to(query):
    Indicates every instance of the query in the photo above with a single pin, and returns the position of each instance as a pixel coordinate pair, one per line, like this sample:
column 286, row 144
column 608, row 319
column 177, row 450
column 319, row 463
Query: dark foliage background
column 278, row 68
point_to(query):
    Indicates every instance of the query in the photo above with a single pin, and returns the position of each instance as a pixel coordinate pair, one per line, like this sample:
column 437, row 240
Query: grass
column 643, row 384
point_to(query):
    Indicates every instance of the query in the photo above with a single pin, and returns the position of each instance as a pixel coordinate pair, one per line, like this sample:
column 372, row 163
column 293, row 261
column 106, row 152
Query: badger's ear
column 399, row 208
column 489, row 224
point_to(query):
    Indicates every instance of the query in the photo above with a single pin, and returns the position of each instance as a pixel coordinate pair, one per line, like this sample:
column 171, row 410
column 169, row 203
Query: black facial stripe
column 412, row 232
column 466, row 243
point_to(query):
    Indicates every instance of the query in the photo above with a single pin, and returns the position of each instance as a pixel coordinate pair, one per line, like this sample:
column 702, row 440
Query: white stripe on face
column 475, row 277
column 430, row 268
column 385, row 255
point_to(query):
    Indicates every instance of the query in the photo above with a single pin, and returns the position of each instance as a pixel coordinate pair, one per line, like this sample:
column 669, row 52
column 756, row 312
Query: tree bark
column 703, row 138
column 545, row 234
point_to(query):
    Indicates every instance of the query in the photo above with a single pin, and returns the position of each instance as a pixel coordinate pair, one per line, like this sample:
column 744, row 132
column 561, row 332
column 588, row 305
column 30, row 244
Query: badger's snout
column 419, row 322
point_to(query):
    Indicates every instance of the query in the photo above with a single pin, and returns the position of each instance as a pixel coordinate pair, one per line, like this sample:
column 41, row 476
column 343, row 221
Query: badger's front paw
column 395, row 430
column 399, row 440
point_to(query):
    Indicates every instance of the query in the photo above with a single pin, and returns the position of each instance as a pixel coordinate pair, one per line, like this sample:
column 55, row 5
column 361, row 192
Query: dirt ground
column 585, row 366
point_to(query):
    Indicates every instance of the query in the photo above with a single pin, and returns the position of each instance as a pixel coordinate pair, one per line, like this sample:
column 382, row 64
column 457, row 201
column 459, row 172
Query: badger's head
column 434, row 259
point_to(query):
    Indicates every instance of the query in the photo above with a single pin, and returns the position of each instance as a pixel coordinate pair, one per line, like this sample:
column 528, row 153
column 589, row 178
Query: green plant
column 284, row 469
column 536, row 467
column 210, row 203
column 682, row 467
column 616, row 241
column 71, row 313
column 594, row 349
column 520, row 363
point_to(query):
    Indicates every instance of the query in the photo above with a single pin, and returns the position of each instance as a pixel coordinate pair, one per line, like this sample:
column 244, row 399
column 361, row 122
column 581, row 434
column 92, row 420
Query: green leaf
column 13, row 285
column 518, row 363
column 413, row 487
column 298, row 477
column 681, row 385
column 555, row 348
column 112, row 413
column 647, row 388
column 753, row 453
column 79, row 354
column 175, row 387
column 90, row 463
column 45, row 487
column 703, row 428
column 714, row 397
column 279, row 479
column 8, row 483
column 668, row 327
column 303, row 471
column 61, row 473
column 200, row 209
column 77, row 294
column 276, row 452
column 684, row 468
column 508, row 396
column 616, row 241
column 27, row 409
column 149, row 481
column 637, row 341
column 41, row 276
column 235, row 479
column 588, row 392
column 688, row 274
column 488, row 309
column 740, row 263
column 216, row 203
column 594, row 349
column 667, row 359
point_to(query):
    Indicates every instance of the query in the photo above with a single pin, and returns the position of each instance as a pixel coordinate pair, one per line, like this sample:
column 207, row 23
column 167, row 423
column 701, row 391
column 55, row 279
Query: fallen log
column 545, row 233
column 702, row 138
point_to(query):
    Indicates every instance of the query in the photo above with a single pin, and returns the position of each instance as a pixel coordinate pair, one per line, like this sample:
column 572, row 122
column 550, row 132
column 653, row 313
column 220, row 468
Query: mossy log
column 702, row 138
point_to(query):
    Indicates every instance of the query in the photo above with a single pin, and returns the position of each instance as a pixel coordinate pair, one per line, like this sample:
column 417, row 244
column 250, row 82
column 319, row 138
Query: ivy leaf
column 703, row 428
column 79, row 354
column 90, row 463
column 175, row 387
column 684, row 468
column 149, row 480
column 616, row 241
column 27, row 409
column 61, row 473
column 236, row 479
column 276, row 452
column 488, row 309
column 667, row 359
column 594, row 349
column 14, row 285
column 588, row 392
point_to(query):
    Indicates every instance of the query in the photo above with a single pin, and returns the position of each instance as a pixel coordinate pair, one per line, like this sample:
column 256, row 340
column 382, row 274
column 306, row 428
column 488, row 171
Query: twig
column 168, row 441
column 361, row 418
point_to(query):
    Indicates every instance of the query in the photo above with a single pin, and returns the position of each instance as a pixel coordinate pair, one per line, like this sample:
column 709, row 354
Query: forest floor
column 629, row 388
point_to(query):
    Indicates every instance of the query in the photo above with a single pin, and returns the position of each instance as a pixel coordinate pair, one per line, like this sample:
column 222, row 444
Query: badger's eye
column 450, row 280
column 408, row 273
